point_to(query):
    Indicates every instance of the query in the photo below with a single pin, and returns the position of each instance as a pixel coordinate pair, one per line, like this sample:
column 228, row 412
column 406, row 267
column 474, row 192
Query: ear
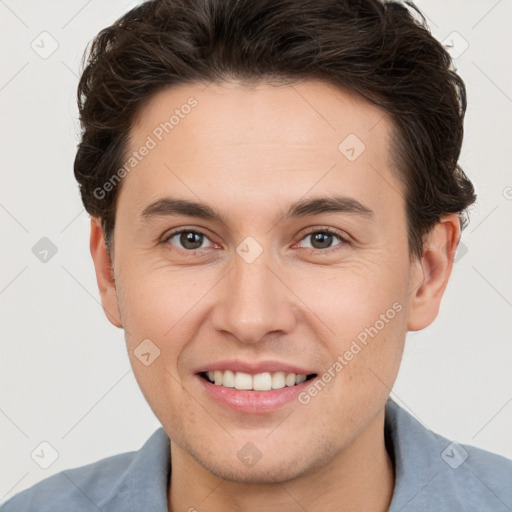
column 430, row 273
column 104, row 273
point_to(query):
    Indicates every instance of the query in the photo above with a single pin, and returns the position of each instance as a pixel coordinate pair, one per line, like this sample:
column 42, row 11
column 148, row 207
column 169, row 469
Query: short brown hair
column 383, row 50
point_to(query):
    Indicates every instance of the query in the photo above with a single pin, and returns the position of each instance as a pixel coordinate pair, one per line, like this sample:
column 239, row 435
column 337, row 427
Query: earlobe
column 104, row 273
column 430, row 273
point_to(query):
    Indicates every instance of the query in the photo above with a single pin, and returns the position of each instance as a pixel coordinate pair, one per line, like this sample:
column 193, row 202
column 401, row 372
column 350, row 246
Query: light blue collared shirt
column 432, row 474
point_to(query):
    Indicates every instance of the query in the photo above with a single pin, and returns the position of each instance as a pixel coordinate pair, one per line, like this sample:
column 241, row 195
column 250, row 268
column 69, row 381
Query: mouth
column 253, row 387
column 265, row 381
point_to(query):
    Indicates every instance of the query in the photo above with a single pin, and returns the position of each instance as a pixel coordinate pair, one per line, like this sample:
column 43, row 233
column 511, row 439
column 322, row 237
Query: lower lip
column 253, row 402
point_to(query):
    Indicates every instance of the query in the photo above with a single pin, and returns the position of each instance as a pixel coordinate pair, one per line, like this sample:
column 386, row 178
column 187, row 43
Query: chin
column 280, row 467
column 264, row 474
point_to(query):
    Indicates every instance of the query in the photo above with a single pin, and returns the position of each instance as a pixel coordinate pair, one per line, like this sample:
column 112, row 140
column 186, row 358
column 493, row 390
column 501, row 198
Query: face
column 296, row 267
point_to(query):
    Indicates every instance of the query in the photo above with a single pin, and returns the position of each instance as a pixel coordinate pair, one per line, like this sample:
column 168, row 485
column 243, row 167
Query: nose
column 254, row 301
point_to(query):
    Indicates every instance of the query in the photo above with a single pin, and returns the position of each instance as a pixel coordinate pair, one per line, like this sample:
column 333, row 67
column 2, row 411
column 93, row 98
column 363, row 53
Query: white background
column 65, row 376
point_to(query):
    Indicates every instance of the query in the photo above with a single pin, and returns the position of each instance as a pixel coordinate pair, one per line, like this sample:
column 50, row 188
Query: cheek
column 158, row 302
column 354, row 296
column 156, row 311
column 156, row 315
column 167, row 307
column 365, row 311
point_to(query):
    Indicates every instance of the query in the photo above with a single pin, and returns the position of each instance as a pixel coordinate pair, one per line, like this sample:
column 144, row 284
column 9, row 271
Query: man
column 275, row 201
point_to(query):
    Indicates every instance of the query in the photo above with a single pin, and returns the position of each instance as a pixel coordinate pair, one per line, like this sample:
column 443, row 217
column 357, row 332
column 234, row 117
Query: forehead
column 262, row 140
column 234, row 113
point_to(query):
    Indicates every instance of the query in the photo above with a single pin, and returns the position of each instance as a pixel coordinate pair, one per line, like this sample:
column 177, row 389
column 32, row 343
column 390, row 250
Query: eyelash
column 343, row 241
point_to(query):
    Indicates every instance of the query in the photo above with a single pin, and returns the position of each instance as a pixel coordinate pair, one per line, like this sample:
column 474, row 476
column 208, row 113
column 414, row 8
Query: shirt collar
column 434, row 473
column 143, row 485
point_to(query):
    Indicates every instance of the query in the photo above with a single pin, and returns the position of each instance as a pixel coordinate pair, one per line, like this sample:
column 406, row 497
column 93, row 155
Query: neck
column 360, row 478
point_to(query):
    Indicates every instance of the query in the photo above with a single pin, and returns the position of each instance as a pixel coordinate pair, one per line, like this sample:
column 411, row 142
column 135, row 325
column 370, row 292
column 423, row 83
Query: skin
column 249, row 152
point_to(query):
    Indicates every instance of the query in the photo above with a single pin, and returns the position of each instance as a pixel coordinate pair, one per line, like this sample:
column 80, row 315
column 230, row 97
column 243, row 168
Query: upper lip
column 252, row 367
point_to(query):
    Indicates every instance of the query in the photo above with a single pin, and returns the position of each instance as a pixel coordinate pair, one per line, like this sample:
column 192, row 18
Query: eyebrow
column 168, row 206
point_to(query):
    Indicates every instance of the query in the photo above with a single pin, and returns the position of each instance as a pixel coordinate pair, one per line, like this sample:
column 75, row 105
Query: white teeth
column 243, row 381
column 228, row 379
column 278, row 380
column 290, row 379
column 217, row 377
column 300, row 378
column 260, row 382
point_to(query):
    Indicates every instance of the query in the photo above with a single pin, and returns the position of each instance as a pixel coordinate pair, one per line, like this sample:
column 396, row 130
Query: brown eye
column 323, row 239
column 189, row 240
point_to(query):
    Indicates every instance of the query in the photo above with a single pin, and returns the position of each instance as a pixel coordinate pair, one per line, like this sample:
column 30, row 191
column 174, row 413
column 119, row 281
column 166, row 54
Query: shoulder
column 106, row 482
column 72, row 489
column 434, row 472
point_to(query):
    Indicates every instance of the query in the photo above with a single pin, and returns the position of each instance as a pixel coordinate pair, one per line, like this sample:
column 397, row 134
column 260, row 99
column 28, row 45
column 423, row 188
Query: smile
column 265, row 381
